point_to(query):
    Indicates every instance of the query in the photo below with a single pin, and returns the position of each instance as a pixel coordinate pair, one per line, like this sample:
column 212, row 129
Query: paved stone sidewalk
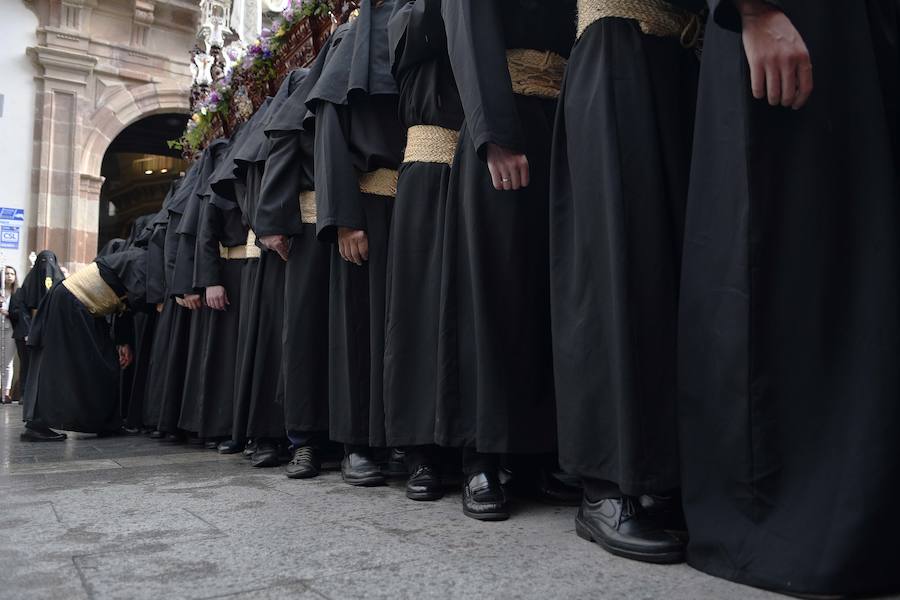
column 134, row 518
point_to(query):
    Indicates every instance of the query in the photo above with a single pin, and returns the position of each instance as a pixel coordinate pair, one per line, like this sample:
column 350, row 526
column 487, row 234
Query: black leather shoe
column 359, row 469
column 483, row 498
column 425, row 484
column 666, row 509
column 156, row 434
column 266, row 456
column 249, row 449
column 304, row 464
column 41, row 435
column 622, row 527
column 230, row 447
column 544, row 487
column 211, row 445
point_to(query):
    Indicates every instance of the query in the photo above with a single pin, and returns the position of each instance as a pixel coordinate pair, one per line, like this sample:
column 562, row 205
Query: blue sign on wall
column 11, row 222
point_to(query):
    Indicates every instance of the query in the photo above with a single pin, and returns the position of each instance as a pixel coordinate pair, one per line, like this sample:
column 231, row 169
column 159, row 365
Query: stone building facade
column 100, row 65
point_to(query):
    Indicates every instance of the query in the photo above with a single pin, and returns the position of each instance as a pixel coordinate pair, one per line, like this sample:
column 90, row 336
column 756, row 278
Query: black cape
column 790, row 326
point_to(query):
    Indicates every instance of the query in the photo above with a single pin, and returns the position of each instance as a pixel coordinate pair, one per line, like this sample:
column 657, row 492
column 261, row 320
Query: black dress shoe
column 41, row 435
column 483, row 498
column 156, row 434
column 230, row 447
column 266, row 456
column 545, row 487
column 622, row 527
column 425, row 484
column 304, row 464
column 249, row 449
column 359, row 469
column 211, row 445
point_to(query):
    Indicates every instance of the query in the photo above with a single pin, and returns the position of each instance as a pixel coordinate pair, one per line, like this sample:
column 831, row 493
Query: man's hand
column 192, row 301
column 276, row 243
column 509, row 170
column 217, row 297
column 353, row 244
column 780, row 67
column 125, row 356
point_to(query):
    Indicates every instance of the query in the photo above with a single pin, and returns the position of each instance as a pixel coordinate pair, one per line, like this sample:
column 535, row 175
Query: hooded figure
column 40, row 279
column 261, row 383
column 431, row 110
column 358, row 147
column 74, row 379
column 286, row 225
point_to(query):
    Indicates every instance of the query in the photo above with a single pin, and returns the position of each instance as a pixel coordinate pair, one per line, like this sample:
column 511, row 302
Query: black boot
column 358, row 468
column 622, row 527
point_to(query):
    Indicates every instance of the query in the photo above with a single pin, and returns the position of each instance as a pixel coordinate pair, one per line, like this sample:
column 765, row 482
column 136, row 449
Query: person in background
column 7, row 341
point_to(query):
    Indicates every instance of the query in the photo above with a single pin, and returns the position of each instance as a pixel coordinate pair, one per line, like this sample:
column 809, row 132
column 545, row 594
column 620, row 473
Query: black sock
column 477, row 462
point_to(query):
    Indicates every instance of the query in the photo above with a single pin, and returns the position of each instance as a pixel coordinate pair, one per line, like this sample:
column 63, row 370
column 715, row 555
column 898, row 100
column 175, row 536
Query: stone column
column 64, row 205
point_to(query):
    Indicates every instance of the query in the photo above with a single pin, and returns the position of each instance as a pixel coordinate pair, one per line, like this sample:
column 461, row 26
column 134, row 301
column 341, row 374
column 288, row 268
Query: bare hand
column 780, row 66
column 125, row 356
column 353, row 244
column 276, row 243
column 509, row 170
column 217, row 297
column 192, row 301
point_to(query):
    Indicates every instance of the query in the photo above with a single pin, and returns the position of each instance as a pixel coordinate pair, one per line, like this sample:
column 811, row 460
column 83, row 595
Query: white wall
column 17, row 32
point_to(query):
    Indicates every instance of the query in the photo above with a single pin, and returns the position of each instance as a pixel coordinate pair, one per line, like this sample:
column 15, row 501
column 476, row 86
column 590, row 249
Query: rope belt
column 655, row 17
column 89, row 288
column 248, row 250
column 308, row 214
column 536, row 72
column 430, row 144
column 381, row 182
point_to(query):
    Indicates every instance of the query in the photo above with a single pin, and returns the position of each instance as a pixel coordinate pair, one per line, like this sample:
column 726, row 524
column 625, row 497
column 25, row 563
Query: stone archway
column 69, row 159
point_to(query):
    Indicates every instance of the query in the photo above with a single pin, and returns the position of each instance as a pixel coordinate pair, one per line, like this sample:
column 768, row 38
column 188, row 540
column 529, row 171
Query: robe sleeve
column 278, row 211
column 208, row 261
column 478, row 56
column 338, row 201
column 170, row 252
column 123, row 329
column 725, row 13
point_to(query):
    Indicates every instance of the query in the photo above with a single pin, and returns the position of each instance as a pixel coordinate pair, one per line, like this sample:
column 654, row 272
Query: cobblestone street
column 129, row 517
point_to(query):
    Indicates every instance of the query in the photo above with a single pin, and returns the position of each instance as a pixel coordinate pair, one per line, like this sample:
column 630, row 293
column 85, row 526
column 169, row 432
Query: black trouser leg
column 477, row 462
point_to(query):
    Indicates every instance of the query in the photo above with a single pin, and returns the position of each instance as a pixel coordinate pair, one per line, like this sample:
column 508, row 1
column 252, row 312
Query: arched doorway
column 138, row 168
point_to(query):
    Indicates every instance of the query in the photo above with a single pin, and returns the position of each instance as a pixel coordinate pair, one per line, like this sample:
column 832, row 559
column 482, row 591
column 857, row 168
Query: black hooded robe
column 621, row 162
column 290, row 173
column 358, row 132
column 495, row 359
column 790, row 312
column 428, row 96
column 74, row 380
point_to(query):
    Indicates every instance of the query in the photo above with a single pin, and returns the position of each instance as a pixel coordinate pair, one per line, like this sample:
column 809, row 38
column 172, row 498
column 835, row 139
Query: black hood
column 43, row 276
column 362, row 61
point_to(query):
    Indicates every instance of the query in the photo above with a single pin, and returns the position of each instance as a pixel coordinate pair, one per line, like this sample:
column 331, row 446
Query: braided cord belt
column 381, row 182
column 536, row 72
column 308, row 214
column 430, row 144
column 655, row 17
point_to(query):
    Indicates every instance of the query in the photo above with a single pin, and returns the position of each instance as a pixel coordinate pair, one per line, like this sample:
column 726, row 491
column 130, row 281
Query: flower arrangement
column 255, row 68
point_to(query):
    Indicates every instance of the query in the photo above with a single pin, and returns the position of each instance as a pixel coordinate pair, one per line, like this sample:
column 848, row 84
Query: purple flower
column 214, row 97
